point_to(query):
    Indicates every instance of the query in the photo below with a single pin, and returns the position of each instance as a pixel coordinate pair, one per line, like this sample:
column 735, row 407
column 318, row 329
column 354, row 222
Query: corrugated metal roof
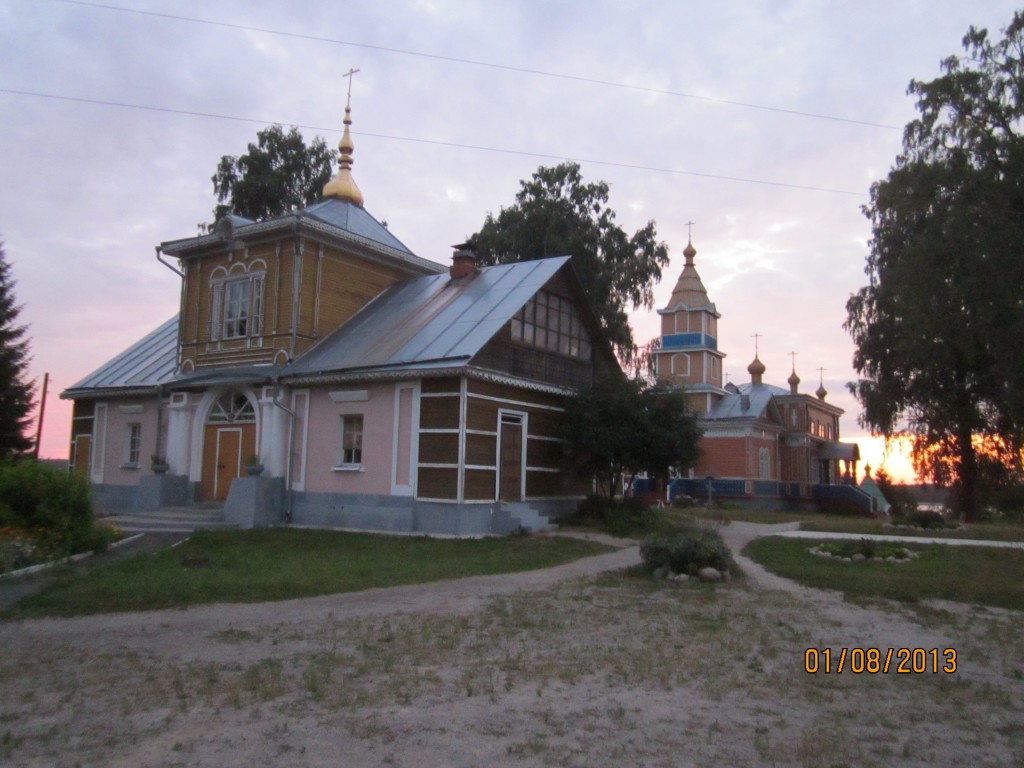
column 427, row 323
column 147, row 363
column 429, row 319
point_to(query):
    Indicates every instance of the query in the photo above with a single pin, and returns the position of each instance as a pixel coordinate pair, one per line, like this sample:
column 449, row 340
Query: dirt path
column 573, row 665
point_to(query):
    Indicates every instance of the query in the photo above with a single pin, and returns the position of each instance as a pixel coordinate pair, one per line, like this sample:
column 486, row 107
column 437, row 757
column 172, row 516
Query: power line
column 432, row 142
column 478, row 63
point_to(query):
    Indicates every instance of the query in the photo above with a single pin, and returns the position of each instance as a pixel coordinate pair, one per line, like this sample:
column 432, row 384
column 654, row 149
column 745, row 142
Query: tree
column 671, row 438
column 278, row 174
column 557, row 214
column 938, row 327
column 622, row 424
column 15, row 392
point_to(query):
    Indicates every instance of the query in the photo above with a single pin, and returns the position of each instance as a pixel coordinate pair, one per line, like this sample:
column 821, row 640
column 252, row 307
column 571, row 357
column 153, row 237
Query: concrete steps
column 172, row 520
column 526, row 517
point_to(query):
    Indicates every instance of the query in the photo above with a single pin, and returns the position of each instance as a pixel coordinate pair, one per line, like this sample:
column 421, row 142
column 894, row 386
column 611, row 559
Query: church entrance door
column 228, row 442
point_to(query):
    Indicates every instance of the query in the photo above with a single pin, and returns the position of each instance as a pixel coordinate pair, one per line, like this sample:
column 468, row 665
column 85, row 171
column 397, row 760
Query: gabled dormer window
column 553, row 323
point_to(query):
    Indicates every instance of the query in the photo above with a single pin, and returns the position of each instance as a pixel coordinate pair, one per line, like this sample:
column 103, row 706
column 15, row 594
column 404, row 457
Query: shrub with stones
column 686, row 551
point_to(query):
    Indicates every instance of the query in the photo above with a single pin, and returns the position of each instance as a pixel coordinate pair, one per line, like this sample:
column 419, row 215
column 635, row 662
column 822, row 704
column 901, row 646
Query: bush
column 1009, row 501
column 686, row 551
column 54, row 507
column 925, row 518
column 619, row 517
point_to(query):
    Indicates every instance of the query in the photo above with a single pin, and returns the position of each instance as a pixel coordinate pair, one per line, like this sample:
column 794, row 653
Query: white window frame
column 680, row 364
column 132, row 445
column 237, row 297
column 350, row 458
column 237, row 316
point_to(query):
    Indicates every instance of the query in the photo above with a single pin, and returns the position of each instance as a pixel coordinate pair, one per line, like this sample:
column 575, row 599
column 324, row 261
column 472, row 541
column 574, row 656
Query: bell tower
column 688, row 356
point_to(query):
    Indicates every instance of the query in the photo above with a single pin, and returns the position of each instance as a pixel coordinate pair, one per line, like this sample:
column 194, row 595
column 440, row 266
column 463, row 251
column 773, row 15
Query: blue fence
column 845, row 497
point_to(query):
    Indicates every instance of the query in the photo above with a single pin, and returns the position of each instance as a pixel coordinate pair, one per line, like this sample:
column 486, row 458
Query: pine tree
column 15, row 393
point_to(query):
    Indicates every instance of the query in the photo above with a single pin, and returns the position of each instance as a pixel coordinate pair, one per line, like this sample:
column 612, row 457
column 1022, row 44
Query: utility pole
column 42, row 412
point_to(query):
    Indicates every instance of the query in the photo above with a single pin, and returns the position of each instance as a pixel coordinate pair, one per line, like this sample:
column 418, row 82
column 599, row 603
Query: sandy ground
column 577, row 666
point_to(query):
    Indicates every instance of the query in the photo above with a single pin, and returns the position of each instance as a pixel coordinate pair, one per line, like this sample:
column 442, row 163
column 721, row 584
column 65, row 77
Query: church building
column 763, row 443
column 365, row 386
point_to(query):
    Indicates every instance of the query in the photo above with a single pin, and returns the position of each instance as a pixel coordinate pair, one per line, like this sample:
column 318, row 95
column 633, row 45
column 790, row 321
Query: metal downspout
column 296, row 286
column 177, row 350
column 159, row 420
column 288, row 449
column 160, row 258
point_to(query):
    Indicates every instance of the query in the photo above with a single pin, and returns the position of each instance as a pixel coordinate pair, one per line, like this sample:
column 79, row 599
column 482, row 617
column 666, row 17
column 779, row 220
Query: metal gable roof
column 330, row 218
column 429, row 319
column 756, row 397
column 353, row 218
column 431, row 322
column 147, row 363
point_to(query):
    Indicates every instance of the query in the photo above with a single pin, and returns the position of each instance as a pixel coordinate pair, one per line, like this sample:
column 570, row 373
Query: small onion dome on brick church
column 342, row 186
column 794, row 382
column 756, row 370
column 821, row 391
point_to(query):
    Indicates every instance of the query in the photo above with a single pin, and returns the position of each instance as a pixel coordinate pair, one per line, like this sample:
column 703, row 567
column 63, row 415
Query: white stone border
column 861, row 558
column 28, row 571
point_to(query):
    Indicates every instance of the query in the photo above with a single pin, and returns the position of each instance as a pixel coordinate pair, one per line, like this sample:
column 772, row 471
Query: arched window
column 232, row 407
column 681, row 364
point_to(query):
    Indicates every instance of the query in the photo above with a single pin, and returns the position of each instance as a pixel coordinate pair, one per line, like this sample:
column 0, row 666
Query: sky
column 764, row 122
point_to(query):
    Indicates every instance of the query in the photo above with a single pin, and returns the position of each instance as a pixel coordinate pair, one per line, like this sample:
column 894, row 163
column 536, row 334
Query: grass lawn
column 975, row 575
column 746, row 515
column 279, row 564
column 1002, row 531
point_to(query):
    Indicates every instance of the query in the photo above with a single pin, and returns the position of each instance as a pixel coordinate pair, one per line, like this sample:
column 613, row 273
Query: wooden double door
column 226, row 448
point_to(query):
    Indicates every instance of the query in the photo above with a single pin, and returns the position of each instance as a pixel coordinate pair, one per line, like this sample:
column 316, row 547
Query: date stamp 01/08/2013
column 872, row 661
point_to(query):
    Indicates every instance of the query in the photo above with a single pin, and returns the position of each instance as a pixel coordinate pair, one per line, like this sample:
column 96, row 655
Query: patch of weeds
column 763, row 744
column 524, row 749
column 232, row 636
column 372, row 728
column 264, row 679
column 318, row 674
column 8, row 743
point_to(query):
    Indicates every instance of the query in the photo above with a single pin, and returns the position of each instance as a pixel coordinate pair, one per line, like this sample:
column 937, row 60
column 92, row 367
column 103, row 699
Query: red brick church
column 761, row 442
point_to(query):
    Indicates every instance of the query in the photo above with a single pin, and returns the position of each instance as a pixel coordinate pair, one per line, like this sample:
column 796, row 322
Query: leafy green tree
column 557, row 214
column 938, row 327
column 15, row 391
column 671, row 438
column 278, row 174
column 622, row 424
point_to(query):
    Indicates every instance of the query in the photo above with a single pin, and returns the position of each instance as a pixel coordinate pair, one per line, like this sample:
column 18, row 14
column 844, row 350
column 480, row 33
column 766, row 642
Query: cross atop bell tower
column 342, row 186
